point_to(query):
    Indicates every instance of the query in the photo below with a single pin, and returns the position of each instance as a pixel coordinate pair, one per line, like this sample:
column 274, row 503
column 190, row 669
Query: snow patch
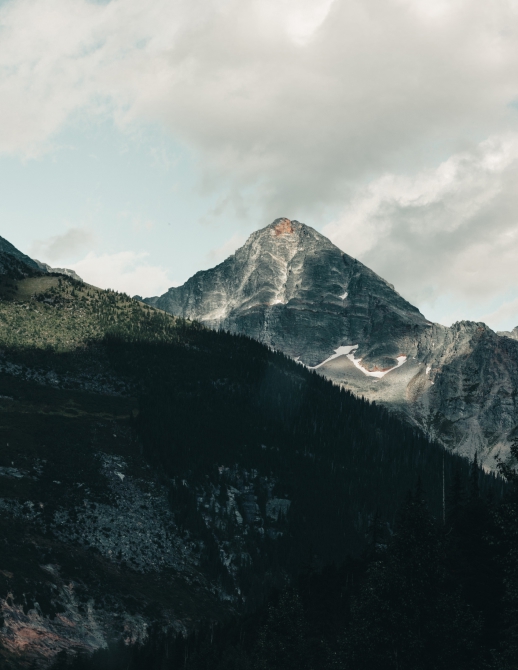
column 341, row 351
column 344, row 296
column 376, row 373
column 428, row 368
column 348, row 351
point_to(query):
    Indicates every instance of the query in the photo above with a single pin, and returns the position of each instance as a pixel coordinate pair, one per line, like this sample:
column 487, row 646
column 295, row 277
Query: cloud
column 504, row 317
column 72, row 243
column 373, row 108
column 291, row 102
column 125, row 271
column 449, row 231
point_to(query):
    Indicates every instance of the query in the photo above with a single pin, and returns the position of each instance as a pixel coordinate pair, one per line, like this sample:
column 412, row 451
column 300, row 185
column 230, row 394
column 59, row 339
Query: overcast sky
column 143, row 141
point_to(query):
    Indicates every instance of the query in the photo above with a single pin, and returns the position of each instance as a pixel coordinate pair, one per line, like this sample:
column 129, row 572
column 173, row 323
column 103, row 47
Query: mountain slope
column 292, row 289
column 513, row 334
column 155, row 471
column 14, row 261
column 8, row 249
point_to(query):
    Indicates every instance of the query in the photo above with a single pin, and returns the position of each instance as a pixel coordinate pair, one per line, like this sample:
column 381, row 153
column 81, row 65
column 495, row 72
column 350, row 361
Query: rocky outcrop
column 44, row 267
column 292, row 289
column 513, row 334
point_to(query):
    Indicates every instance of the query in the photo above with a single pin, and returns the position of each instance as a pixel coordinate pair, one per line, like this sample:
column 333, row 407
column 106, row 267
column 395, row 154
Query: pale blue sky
column 135, row 192
column 141, row 142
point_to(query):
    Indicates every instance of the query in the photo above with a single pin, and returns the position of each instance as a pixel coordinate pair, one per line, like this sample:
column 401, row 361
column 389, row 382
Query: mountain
column 13, row 260
column 9, row 250
column 154, row 472
column 44, row 267
column 292, row 289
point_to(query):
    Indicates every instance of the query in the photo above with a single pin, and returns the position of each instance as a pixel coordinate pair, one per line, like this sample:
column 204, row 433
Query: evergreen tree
column 405, row 617
column 283, row 640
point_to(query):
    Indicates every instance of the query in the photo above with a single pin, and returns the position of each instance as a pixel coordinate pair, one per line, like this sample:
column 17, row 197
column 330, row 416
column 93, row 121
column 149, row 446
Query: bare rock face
column 44, row 267
column 294, row 290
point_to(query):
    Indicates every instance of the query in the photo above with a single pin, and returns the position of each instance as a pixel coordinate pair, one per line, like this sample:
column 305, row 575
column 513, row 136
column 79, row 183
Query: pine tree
column 283, row 640
column 406, row 617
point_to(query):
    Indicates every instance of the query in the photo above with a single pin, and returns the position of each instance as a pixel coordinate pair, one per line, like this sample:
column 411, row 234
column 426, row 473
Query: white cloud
column 503, row 318
column 450, row 231
column 75, row 241
column 125, row 271
column 291, row 106
column 296, row 99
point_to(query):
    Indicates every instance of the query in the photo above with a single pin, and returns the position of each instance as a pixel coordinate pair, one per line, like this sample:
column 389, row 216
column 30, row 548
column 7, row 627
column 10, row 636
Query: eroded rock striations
column 292, row 289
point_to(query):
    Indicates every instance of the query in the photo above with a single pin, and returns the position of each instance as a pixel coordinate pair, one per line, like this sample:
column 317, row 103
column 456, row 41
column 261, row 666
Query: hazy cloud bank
column 74, row 242
column 298, row 99
column 449, row 231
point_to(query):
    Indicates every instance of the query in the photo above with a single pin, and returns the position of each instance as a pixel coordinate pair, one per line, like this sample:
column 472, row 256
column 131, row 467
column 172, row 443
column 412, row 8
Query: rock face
column 292, row 289
column 44, row 267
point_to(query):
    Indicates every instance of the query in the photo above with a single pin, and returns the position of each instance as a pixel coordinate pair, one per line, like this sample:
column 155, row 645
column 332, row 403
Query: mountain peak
column 291, row 288
column 8, row 248
column 282, row 226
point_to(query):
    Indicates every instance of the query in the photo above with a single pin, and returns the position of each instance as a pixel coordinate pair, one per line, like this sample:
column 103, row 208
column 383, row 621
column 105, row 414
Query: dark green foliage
column 211, row 399
column 215, row 413
column 283, row 640
column 506, row 543
column 409, row 615
column 400, row 607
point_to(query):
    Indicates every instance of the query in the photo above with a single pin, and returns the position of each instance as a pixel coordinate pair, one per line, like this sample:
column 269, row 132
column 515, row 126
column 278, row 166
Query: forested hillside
column 155, row 471
column 434, row 595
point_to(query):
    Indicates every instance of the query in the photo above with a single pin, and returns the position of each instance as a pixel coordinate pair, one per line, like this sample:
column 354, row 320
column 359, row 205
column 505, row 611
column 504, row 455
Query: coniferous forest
column 432, row 594
column 385, row 572
column 331, row 534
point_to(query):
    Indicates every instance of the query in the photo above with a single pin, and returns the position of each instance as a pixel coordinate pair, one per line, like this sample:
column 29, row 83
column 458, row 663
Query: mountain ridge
column 279, row 271
column 154, row 472
column 8, row 251
column 289, row 287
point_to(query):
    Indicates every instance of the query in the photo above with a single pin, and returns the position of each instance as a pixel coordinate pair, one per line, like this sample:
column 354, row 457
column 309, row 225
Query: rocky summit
column 289, row 287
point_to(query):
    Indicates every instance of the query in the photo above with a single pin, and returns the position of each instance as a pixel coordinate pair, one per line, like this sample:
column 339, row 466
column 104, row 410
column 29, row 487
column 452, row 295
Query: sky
column 141, row 142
